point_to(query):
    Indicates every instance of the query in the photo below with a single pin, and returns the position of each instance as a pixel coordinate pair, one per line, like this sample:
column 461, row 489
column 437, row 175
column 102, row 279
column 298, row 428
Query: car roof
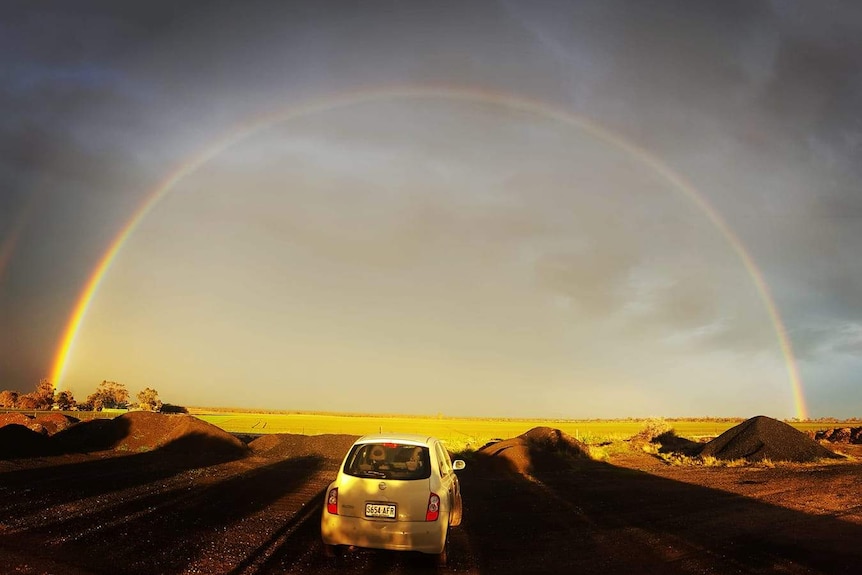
column 407, row 438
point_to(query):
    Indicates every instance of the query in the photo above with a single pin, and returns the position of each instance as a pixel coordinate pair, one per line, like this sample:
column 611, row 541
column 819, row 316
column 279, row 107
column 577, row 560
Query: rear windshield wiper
column 372, row 473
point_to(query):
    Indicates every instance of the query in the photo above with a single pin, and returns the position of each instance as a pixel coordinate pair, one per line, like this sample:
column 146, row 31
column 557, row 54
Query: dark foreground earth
column 168, row 512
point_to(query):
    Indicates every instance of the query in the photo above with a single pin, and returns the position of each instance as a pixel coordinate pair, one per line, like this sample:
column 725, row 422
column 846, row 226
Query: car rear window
column 388, row 461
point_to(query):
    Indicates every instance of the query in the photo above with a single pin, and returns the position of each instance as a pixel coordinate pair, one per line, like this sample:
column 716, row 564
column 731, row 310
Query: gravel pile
column 761, row 438
column 539, row 449
column 17, row 441
column 332, row 447
column 44, row 423
column 54, row 422
column 142, row 431
column 840, row 435
column 13, row 418
column 88, row 436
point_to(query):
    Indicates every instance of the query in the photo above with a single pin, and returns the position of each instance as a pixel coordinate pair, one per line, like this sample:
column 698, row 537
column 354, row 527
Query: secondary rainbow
column 475, row 95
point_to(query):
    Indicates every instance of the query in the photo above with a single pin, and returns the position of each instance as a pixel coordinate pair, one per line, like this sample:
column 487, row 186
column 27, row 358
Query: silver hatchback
column 393, row 491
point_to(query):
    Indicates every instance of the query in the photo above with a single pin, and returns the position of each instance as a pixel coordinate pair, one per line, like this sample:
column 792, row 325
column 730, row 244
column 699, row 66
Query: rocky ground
column 198, row 502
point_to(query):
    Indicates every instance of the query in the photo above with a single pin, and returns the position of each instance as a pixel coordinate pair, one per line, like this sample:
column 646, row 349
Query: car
column 395, row 492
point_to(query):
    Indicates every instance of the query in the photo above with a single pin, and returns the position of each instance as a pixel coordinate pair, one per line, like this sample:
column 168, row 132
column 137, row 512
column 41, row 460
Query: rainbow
column 472, row 95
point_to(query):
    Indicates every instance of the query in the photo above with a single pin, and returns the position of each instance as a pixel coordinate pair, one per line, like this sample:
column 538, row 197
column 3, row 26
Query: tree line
column 108, row 395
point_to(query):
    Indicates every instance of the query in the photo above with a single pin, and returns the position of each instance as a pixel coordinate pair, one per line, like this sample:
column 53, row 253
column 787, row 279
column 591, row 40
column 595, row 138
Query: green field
column 465, row 432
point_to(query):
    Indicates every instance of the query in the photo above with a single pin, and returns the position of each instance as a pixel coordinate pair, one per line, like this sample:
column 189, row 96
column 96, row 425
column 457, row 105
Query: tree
column 29, row 401
column 170, row 408
column 148, row 399
column 8, row 398
column 41, row 398
column 109, row 395
column 44, row 393
column 65, row 400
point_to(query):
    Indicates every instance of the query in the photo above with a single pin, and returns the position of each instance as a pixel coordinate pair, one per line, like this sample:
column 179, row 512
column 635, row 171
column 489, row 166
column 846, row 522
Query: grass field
column 460, row 432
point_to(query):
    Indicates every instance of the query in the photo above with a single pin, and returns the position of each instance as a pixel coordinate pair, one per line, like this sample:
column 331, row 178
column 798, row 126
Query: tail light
column 332, row 501
column 433, row 511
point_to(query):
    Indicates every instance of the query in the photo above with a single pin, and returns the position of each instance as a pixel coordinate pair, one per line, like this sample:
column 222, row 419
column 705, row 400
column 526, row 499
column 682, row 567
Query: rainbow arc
column 474, row 95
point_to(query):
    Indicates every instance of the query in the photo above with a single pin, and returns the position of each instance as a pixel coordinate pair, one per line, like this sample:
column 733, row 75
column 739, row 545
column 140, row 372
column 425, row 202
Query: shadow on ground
column 65, row 482
column 161, row 512
column 156, row 512
column 598, row 518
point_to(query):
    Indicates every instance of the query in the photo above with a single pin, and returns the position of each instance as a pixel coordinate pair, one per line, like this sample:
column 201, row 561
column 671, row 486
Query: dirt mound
column 329, row 446
column 539, row 449
column 178, row 434
column 141, row 431
column 54, row 422
column 17, row 441
column 670, row 442
column 89, row 436
column 14, row 418
column 840, row 435
column 148, row 431
column 762, row 438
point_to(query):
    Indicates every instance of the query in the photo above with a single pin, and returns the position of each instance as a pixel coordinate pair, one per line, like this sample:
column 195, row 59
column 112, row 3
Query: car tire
column 332, row 552
column 457, row 513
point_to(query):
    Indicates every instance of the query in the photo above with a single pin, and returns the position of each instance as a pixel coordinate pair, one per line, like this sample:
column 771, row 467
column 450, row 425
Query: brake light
column 332, row 501
column 433, row 511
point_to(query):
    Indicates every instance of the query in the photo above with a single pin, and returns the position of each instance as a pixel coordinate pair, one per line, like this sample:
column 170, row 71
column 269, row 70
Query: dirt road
column 153, row 513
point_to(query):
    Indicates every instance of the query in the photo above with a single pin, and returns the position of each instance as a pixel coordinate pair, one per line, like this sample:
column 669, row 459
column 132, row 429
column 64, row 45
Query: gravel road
column 158, row 513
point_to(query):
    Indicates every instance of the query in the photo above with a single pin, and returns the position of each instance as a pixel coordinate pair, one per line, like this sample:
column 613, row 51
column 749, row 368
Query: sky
column 500, row 209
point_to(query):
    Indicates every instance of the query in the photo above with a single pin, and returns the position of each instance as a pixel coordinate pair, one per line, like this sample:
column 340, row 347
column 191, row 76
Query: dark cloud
column 755, row 103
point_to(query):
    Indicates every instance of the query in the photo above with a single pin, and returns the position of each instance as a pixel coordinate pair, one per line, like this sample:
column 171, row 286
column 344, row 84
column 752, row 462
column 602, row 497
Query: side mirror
column 458, row 464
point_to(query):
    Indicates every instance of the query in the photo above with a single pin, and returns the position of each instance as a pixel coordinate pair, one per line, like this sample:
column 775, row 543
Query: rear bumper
column 422, row 536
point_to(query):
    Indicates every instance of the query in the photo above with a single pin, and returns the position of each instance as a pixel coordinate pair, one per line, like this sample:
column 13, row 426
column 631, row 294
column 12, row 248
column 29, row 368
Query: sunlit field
column 457, row 432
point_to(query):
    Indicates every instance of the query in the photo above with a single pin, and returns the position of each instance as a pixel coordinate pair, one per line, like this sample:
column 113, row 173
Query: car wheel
column 332, row 552
column 457, row 513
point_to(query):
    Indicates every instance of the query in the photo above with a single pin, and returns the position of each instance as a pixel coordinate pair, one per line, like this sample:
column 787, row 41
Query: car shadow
column 594, row 517
column 302, row 552
column 160, row 530
column 110, row 471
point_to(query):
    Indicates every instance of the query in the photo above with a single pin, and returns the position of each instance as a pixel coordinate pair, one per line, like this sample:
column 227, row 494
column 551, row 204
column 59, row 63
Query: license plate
column 380, row 510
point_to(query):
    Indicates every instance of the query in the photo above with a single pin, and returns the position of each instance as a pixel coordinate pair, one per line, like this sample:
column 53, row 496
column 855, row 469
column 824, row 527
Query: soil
column 761, row 438
column 840, row 435
column 20, row 441
column 541, row 448
column 54, row 422
column 14, row 418
column 279, row 446
column 214, row 508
